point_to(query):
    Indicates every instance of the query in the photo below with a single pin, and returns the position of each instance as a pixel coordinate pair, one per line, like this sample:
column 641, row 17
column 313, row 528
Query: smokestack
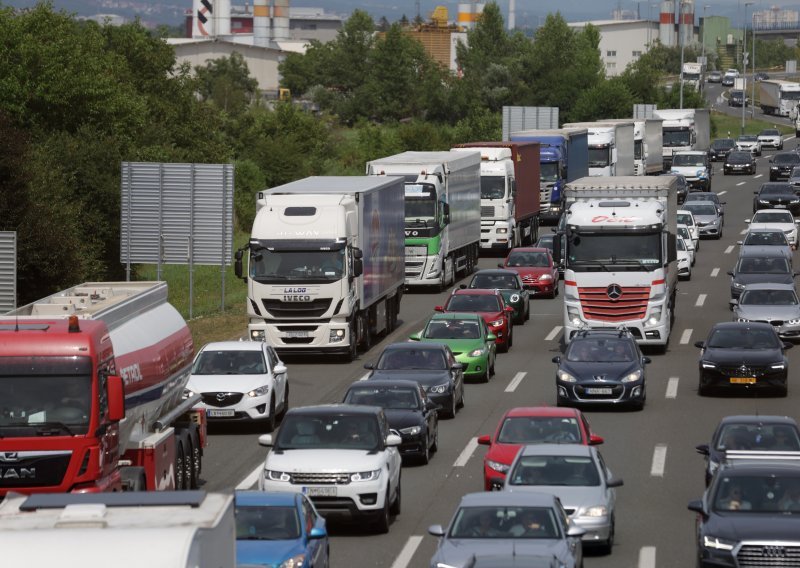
column 202, row 18
column 468, row 14
column 222, row 13
column 666, row 28
column 512, row 15
column 261, row 23
column 280, row 20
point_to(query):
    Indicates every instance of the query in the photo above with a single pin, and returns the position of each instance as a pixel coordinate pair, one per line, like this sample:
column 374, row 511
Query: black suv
column 748, row 516
column 720, row 148
column 776, row 195
column 601, row 366
column 737, row 99
column 737, row 162
column 781, row 165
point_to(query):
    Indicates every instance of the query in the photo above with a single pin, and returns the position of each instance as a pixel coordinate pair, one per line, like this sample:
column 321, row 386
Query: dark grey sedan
column 758, row 269
column 775, row 304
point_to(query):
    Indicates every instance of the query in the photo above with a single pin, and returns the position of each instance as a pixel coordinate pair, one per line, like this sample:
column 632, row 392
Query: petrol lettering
column 131, row 374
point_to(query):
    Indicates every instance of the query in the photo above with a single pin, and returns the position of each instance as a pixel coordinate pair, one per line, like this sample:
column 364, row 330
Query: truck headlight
column 336, row 335
column 655, row 317
column 635, row 376
column 574, row 316
column 502, row 231
column 565, row 377
column 273, row 475
column 257, row 335
column 187, row 393
column 365, row 475
column 260, row 391
column 716, row 543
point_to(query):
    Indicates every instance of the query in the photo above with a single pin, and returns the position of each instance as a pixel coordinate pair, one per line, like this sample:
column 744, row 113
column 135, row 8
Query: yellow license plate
column 743, row 380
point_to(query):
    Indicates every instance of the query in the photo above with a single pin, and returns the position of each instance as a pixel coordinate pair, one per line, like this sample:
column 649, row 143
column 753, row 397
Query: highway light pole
column 753, row 37
column 744, row 62
column 680, row 40
column 705, row 63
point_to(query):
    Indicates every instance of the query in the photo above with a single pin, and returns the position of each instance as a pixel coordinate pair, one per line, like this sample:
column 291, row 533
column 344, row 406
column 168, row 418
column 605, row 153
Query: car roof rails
column 733, row 457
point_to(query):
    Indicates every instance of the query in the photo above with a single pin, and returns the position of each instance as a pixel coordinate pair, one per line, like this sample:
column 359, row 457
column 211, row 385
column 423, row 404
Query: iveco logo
column 614, row 291
column 773, row 552
column 9, row 457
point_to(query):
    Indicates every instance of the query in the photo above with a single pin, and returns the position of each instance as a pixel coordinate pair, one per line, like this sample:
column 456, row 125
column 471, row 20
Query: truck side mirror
column 115, row 391
column 672, row 248
column 358, row 267
column 358, row 253
column 237, row 267
column 446, row 214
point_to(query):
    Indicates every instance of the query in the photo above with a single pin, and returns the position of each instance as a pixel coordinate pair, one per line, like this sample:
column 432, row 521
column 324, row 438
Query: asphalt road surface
column 652, row 450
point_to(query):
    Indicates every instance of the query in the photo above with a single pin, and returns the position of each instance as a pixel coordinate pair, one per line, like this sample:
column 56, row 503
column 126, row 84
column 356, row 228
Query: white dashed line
column 365, row 377
column 404, row 558
column 729, row 250
column 466, row 453
column 740, row 183
column 249, row 481
column 715, row 273
column 512, row 386
column 701, row 299
column 647, row 557
column 672, row 387
column 659, row 461
column 722, row 192
column 743, row 231
column 758, row 176
column 554, row 333
column 686, row 336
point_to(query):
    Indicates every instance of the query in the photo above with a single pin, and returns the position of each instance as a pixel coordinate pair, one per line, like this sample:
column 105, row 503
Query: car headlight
column 565, row 377
column 793, row 322
column 655, row 317
column 187, row 393
column 743, row 320
column 260, row 391
column 496, row 323
column 365, row 475
column 763, row 201
column 497, row 466
column 514, row 298
column 273, row 475
column 411, row 431
column 439, row 389
column 701, row 173
column 778, row 366
column 293, row 562
column 716, row 543
column 737, row 285
column 477, row 352
column 708, row 365
column 596, row 511
column 546, row 277
column 635, row 376
column 789, row 231
column 257, row 334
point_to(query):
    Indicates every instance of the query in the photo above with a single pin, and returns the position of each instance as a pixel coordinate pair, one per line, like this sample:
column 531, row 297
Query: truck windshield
column 790, row 95
column 493, row 187
column 45, row 396
column 637, row 150
column 688, row 160
column 420, row 205
column 691, row 76
column 615, row 252
column 273, row 267
column 599, row 156
column 548, row 171
column 673, row 138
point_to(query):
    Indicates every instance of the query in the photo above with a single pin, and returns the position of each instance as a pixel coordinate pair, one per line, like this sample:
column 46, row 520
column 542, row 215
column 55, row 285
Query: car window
column 777, row 190
column 266, row 523
column 768, row 298
column 701, row 208
column 685, row 219
column 688, row 160
column 356, row 432
column 681, row 245
column 600, row 350
column 309, row 513
column 568, row 471
column 789, row 158
column 763, row 437
column 488, row 522
column 452, row 329
column 766, row 493
column 528, row 259
column 217, row 362
column 397, row 398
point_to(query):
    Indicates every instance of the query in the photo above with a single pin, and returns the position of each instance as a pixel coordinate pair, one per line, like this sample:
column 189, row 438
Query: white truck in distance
column 325, row 264
column 620, row 259
column 778, row 97
column 683, row 130
column 648, row 154
column 610, row 147
column 694, row 75
column 188, row 529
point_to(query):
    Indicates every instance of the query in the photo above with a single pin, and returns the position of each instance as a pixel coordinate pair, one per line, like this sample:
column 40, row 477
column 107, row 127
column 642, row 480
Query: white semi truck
column 189, row 529
column 325, row 265
column 648, row 153
column 694, row 75
column 610, row 147
column 778, row 97
column 442, row 213
column 683, row 130
column 620, row 258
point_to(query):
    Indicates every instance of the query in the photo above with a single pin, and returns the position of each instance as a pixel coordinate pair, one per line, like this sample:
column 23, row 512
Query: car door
column 430, row 415
column 316, row 547
column 458, row 376
column 605, row 475
column 279, row 379
column 393, row 459
column 573, row 548
column 522, row 291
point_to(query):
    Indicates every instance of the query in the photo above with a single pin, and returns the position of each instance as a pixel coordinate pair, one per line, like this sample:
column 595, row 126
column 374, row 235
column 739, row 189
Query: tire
column 702, row 390
column 366, row 343
column 528, row 312
column 285, row 408
column 461, row 398
column 269, row 423
column 352, row 352
column 396, row 506
column 196, row 456
column 180, row 464
column 491, row 367
column 608, row 545
column 382, row 518
column 425, row 458
column 487, row 374
column 435, row 444
column 451, row 410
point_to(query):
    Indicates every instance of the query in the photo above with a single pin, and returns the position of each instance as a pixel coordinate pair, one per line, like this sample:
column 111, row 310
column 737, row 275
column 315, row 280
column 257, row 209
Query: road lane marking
column 729, row 250
column 554, row 333
column 743, row 231
column 512, row 386
column 365, row 377
column 686, row 336
column 251, row 479
column 404, row 558
column 722, row 192
column 659, row 461
column 672, row 387
column 701, row 299
column 715, row 273
column 740, row 183
column 758, row 176
column 647, row 557
column 466, row 453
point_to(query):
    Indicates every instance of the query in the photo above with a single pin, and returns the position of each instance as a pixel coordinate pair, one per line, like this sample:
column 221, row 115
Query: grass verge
column 725, row 125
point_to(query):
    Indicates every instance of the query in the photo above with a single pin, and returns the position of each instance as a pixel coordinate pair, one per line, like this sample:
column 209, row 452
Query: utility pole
column 704, row 35
column 744, row 62
column 753, row 88
column 680, row 39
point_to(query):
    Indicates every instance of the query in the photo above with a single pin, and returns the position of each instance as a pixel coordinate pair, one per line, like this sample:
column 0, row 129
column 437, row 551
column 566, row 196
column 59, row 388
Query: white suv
column 342, row 456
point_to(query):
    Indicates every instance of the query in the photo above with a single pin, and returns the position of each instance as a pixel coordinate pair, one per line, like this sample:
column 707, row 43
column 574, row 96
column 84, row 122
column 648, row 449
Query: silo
column 280, row 19
column 512, row 15
column 687, row 22
column 468, row 14
column 666, row 28
column 261, row 23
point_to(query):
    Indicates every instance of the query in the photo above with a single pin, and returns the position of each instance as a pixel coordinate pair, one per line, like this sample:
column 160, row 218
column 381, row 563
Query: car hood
column 571, row 497
column 227, row 383
column 535, row 271
column 503, row 453
column 735, row 357
column 324, row 461
column 753, row 526
column 425, row 377
column 778, row 226
column 266, row 552
column 590, row 370
column 459, row 345
column 705, row 218
column 403, row 418
column 460, row 551
column 762, row 278
column 755, row 312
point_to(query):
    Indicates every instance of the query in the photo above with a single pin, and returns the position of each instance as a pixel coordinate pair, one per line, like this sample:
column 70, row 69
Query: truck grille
column 768, row 555
column 313, row 309
column 220, row 399
column 487, row 210
column 34, row 471
column 320, row 478
column 630, row 305
column 545, row 193
column 414, row 268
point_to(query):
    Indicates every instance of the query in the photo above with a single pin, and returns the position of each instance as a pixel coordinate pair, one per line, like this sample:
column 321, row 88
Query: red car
column 492, row 308
column 536, row 268
column 531, row 425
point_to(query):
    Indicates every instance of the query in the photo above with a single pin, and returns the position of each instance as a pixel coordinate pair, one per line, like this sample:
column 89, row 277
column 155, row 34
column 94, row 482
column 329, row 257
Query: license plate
column 320, row 491
column 743, row 380
column 296, row 334
column 780, row 207
column 219, row 413
column 592, row 390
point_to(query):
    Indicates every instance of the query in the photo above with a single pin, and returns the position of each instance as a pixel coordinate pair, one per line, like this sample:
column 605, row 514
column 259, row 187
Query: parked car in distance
column 510, row 284
column 408, row 410
column 684, row 260
column 532, row 425
column 782, row 165
column 432, row 365
column 742, row 356
column 581, row 480
column 775, row 304
column 776, row 219
column 749, row 143
column 279, row 529
column 240, row 381
column 492, row 308
column 776, row 195
column 765, row 242
column 708, row 218
column 770, row 138
column 536, row 267
column 739, row 163
column 720, row 148
column 714, row 77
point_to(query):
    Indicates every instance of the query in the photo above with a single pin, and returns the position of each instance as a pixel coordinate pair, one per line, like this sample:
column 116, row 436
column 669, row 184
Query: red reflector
column 570, row 283
column 73, row 324
column 657, row 282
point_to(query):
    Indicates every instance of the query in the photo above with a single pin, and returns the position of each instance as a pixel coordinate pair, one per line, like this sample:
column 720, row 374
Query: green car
column 509, row 284
column 468, row 338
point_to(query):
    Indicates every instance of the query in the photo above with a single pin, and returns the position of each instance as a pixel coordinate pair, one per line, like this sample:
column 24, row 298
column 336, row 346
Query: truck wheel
column 269, row 423
column 352, row 352
column 366, row 338
column 180, row 464
column 196, row 456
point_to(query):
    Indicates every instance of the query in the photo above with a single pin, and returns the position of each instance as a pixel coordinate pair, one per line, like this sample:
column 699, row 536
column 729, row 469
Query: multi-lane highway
column 652, row 450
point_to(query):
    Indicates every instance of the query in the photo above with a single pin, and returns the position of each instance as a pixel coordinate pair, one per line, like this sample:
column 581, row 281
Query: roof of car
column 757, row 419
column 495, row 271
column 386, row 383
column 329, row 409
column 507, row 498
column 556, row 450
column 414, row 345
column 476, row 291
column 532, row 249
column 265, row 498
column 456, row 316
column 233, row 346
column 742, row 325
column 548, row 411
column 690, row 153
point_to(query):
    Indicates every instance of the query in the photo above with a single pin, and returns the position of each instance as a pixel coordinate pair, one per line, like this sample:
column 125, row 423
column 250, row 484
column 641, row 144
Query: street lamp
column 680, row 40
column 753, row 87
column 705, row 63
column 744, row 62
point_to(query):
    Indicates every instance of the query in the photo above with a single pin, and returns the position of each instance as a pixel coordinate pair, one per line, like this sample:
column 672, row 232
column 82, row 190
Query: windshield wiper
column 632, row 261
column 590, row 263
column 50, row 428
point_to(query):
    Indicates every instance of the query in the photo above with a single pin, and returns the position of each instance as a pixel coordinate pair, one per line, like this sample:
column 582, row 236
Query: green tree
column 607, row 99
column 227, row 83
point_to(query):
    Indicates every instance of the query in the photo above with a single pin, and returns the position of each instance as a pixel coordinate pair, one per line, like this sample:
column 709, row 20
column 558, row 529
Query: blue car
column 280, row 530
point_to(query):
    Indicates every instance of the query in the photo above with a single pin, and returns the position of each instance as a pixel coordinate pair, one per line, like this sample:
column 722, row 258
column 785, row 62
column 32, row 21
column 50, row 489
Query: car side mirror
column 733, row 303
column 491, row 337
column 265, row 440
column 317, row 533
column 485, row 440
column 729, row 273
column 369, row 365
column 430, row 405
column 554, row 229
column 614, row 482
column 557, row 359
column 747, row 221
column 595, row 440
column 237, row 266
column 575, row 531
column 702, row 449
column 436, row 530
column 279, row 369
column 755, row 193
column 700, row 344
column 439, row 308
column 739, row 242
column 358, row 267
column 500, row 265
column 646, row 360
column 462, row 286
column 414, row 336
column 787, row 345
column 697, row 507
column 393, row 440
column 508, row 309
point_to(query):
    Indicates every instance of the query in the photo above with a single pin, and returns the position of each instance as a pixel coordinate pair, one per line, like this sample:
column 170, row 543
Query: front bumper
column 473, row 366
column 724, row 378
column 598, row 529
column 246, row 410
column 352, row 500
column 708, row 230
column 774, row 143
column 311, row 337
column 604, row 393
column 538, row 287
column 739, row 169
column 780, row 173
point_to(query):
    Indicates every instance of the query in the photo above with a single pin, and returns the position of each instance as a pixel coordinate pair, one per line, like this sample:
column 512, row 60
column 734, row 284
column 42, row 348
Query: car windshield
column 723, row 144
column 768, row 298
column 683, row 232
column 600, row 350
column 685, row 219
column 743, row 338
column 750, row 436
column 766, row 238
column 786, row 159
column 502, row 281
column 761, row 265
column 777, row 191
column 700, row 208
column 688, row 160
column 452, row 329
column 329, row 431
column 525, row 258
column 681, row 245
column 739, row 158
column 404, row 358
column 702, row 197
column 796, row 172
column 747, row 138
column 212, row 362
column 773, row 217
column 396, row 398
column 576, row 471
column 473, row 303
column 766, row 493
column 769, row 133
column 539, row 430
column 267, row 523
column 492, row 522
